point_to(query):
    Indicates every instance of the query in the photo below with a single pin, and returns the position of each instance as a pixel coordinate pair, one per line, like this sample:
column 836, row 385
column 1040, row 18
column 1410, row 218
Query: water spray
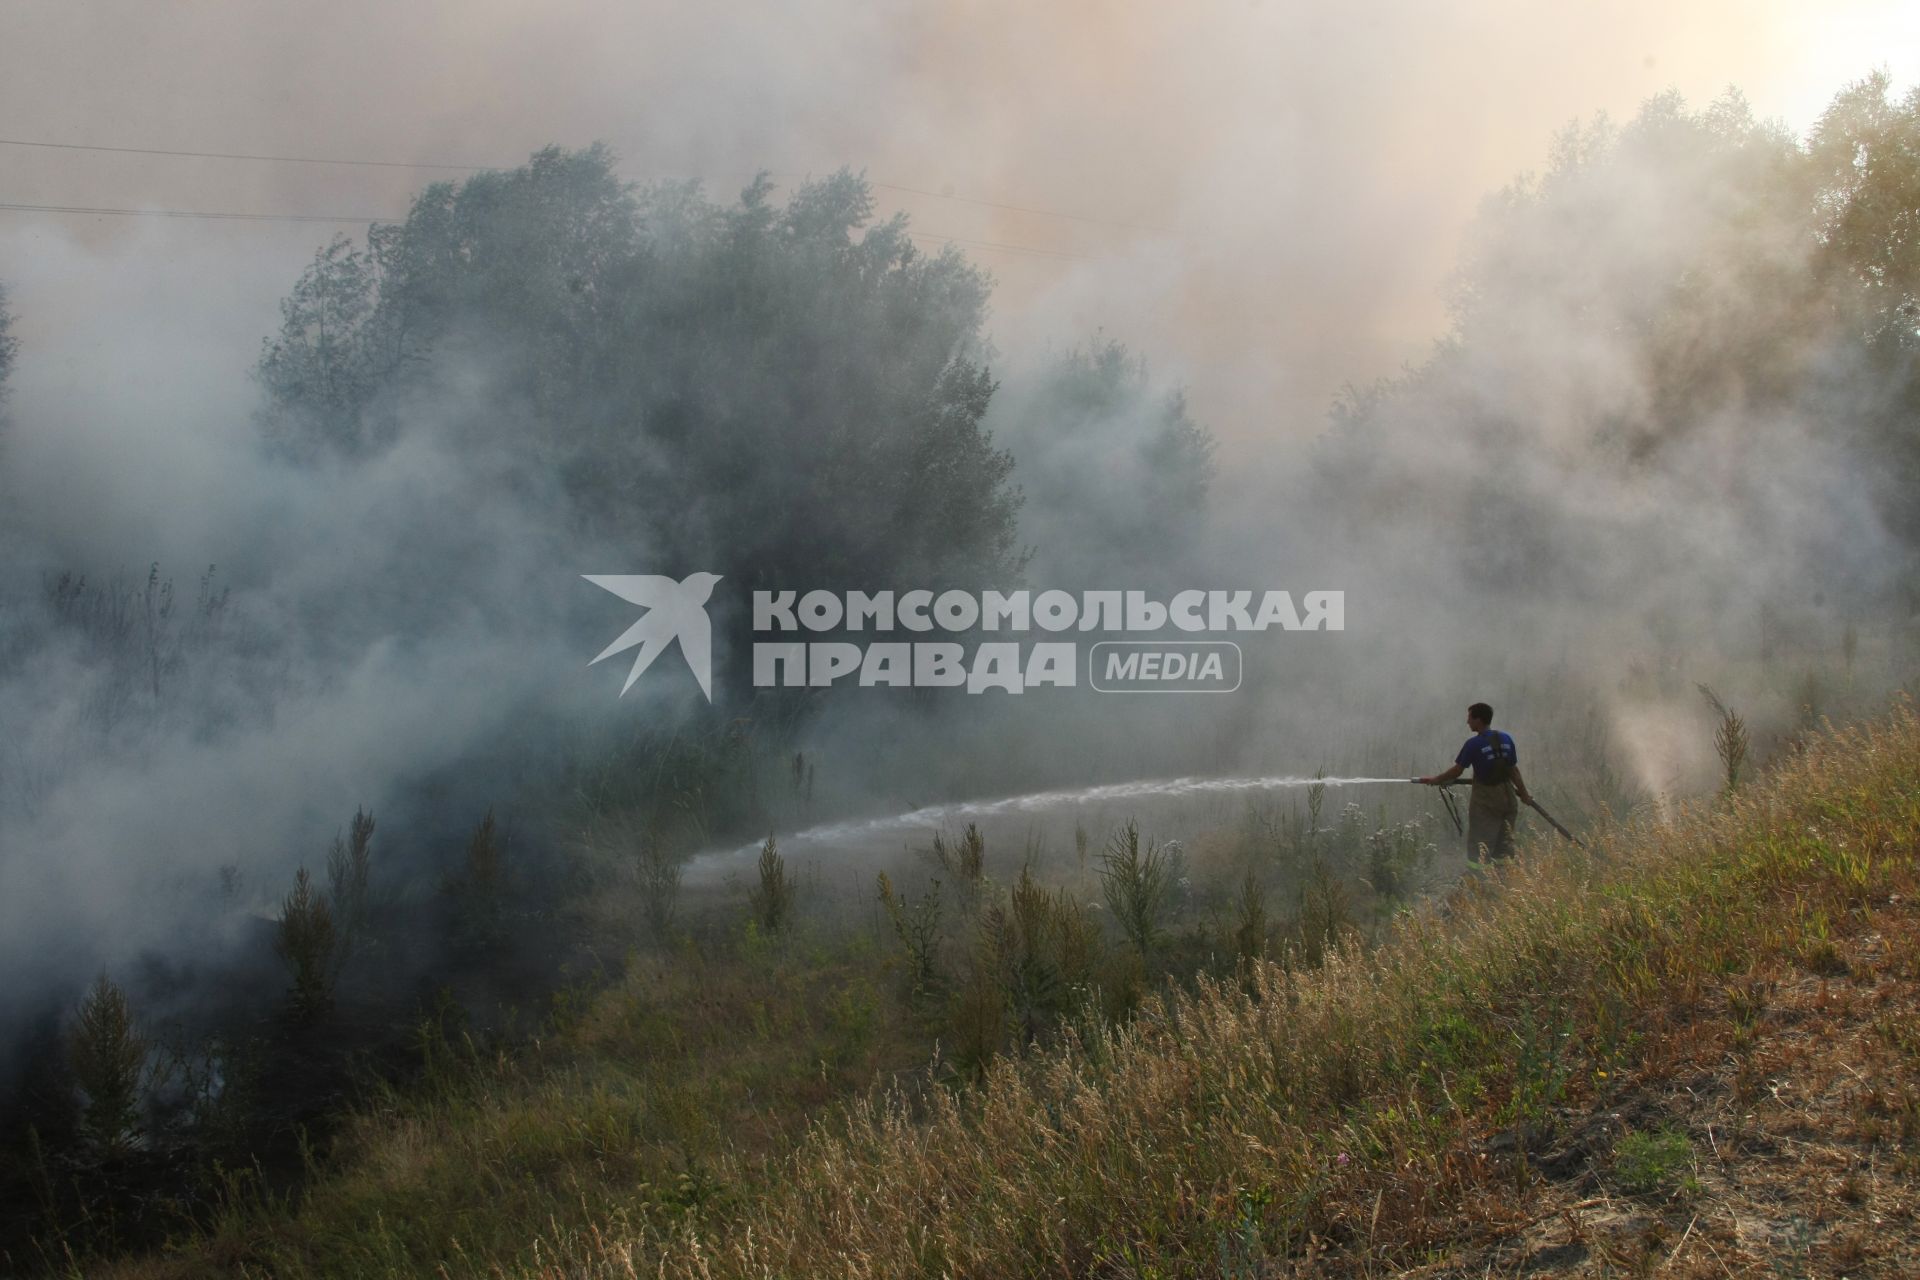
column 1041, row 801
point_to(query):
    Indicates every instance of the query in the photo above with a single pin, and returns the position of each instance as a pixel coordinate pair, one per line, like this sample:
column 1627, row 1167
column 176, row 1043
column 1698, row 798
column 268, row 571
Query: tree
column 9, row 345
column 108, row 1057
column 317, row 372
column 1138, row 885
column 1865, row 155
column 305, row 939
column 772, row 393
column 9, row 348
column 1693, row 312
column 480, row 891
column 349, row 874
column 1115, row 471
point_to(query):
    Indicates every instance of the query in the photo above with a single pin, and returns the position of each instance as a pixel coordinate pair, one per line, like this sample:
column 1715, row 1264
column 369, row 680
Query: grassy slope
column 1694, row 1047
column 1422, row 1106
column 622, row 1105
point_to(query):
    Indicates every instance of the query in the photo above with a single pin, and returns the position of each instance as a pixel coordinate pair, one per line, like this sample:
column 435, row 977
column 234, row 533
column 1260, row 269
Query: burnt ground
column 1783, row 1122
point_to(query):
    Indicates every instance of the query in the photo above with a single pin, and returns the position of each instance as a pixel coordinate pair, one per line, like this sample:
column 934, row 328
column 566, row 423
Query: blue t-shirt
column 1483, row 749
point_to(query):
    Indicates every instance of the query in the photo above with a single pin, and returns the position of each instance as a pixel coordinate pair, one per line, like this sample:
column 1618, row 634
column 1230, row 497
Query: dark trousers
column 1491, row 811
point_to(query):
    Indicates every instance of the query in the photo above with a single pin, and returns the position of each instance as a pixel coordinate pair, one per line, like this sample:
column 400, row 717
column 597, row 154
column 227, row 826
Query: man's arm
column 1520, row 784
column 1441, row 779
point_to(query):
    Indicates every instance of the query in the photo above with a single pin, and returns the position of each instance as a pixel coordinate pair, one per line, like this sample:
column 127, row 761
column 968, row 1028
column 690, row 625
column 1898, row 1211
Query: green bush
column 349, row 868
column 108, row 1058
column 773, row 897
column 1654, row 1160
column 1137, row 884
column 481, row 889
column 305, row 941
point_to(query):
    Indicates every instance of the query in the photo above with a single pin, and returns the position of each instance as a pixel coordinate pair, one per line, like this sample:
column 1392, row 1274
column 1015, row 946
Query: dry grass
column 1796, row 1099
column 1442, row 1103
column 622, row 1107
column 1737, row 986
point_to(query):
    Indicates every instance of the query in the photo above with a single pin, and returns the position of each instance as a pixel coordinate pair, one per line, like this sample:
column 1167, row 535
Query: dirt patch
column 1773, row 1133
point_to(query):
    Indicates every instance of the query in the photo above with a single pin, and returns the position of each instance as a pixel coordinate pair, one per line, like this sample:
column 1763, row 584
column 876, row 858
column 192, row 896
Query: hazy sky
column 1270, row 193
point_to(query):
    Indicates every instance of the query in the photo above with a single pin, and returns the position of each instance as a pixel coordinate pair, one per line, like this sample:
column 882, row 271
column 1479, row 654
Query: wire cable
column 1008, row 248
column 481, row 168
column 237, row 155
column 226, row 215
column 216, row 214
column 1015, row 208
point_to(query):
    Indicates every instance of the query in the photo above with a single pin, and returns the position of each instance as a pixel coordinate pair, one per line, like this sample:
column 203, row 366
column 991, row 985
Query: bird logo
column 674, row 611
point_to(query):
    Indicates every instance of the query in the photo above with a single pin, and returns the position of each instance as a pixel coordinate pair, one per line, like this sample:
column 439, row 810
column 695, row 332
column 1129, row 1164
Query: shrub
column 773, row 897
column 305, row 942
column 1316, row 800
column 1730, row 744
column 978, row 1016
column 108, row 1058
column 1250, row 910
column 1325, row 913
column 482, row 886
column 1033, row 958
column 349, row 863
column 1393, row 855
column 1655, row 1160
column 1729, row 738
column 1048, row 948
column 1137, row 884
column 918, row 928
column 963, row 860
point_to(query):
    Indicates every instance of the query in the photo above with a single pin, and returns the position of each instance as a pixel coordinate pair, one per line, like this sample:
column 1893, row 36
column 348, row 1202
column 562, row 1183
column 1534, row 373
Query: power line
column 216, row 214
column 480, row 168
column 237, row 155
column 993, row 244
column 224, row 215
column 1013, row 208
column 991, row 204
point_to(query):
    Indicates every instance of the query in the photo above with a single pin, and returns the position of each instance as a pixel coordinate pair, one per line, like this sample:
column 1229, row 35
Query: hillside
column 1693, row 1049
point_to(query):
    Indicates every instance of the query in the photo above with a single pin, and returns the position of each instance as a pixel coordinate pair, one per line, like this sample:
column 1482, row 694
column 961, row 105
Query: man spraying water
column 1495, row 762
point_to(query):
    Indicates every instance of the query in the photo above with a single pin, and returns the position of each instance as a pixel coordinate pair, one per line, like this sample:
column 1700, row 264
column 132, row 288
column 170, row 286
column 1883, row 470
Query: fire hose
column 1453, row 811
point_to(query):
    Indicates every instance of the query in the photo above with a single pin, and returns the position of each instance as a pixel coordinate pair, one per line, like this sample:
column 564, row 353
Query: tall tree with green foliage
column 1668, row 293
column 320, row 372
column 108, row 1057
column 775, row 392
column 306, row 939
